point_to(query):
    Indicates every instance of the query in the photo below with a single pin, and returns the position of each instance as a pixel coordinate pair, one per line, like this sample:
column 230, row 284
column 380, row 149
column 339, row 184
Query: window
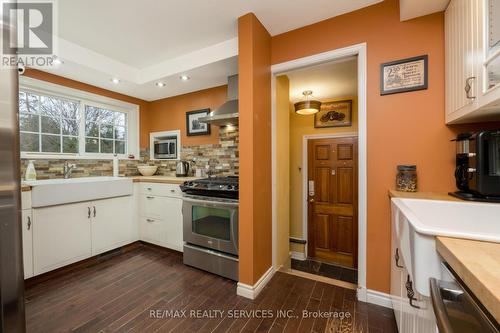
column 48, row 124
column 105, row 131
column 51, row 124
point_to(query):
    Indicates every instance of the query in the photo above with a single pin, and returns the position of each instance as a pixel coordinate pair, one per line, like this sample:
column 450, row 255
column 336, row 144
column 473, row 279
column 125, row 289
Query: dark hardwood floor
column 133, row 292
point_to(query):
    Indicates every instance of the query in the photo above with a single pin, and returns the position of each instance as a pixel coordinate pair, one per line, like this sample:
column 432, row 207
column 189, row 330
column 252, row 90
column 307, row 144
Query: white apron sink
column 53, row 192
column 418, row 222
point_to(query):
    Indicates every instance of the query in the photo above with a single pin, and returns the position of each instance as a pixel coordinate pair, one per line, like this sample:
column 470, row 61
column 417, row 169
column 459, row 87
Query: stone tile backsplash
column 223, row 159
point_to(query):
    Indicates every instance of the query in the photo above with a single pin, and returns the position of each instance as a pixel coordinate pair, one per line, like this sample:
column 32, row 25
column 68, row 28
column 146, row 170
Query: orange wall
column 402, row 128
column 254, row 63
column 170, row 114
column 143, row 105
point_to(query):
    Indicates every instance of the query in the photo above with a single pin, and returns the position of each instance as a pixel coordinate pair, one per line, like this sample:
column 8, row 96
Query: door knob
column 311, row 200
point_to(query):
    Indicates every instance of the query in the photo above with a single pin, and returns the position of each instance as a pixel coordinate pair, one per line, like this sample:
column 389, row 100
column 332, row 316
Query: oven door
column 211, row 224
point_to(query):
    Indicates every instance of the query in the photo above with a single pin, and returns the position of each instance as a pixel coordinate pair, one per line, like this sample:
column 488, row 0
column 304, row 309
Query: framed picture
column 194, row 126
column 403, row 75
column 334, row 114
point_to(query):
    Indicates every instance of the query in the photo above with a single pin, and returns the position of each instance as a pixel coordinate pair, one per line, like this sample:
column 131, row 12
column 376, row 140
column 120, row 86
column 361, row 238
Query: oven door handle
column 210, row 203
column 442, row 320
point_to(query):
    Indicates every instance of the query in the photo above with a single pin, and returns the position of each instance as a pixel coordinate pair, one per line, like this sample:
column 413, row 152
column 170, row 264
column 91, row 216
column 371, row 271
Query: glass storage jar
column 406, row 179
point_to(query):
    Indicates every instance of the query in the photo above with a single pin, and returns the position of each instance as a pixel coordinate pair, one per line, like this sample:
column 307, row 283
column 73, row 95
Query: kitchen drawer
column 152, row 231
column 153, row 206
column 165, row 190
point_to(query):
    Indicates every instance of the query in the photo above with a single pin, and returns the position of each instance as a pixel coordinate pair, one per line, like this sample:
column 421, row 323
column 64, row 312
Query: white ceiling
column 331, row 80
column 144, row 33
column 143, row 42
column 410, row 9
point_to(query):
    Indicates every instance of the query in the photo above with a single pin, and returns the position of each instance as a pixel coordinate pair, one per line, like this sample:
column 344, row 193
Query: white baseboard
column 375, row 297
column 298, row 255
column 252, row 292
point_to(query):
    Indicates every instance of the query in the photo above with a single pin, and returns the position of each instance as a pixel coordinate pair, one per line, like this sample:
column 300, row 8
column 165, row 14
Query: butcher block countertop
column 478, row 265
column 162, row 179
column 422, row 195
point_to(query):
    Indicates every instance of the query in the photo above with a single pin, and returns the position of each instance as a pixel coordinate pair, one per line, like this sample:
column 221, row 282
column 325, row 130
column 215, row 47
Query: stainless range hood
column 227, row 113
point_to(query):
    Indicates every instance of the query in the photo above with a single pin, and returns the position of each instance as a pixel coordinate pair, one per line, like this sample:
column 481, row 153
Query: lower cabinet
column 160, row 221
column 68, row 233
column 61, row 236
column 113, row 224
column 27, row 234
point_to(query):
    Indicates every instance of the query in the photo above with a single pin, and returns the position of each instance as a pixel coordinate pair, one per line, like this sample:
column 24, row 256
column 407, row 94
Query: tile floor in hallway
column 122, row 294
column 324, row 269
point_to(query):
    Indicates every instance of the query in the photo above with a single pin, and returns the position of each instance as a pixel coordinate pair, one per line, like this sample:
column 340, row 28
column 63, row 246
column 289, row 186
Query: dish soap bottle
column 30, row 171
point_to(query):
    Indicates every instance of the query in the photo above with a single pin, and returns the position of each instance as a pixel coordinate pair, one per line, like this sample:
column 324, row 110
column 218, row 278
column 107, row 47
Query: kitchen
column 102, row 244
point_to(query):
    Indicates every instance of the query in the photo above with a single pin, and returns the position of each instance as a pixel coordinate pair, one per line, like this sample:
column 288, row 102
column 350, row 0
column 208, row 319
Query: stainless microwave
column 165, row 149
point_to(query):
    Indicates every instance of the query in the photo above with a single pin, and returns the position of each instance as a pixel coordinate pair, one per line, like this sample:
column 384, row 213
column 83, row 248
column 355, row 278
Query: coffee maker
column 477, row 171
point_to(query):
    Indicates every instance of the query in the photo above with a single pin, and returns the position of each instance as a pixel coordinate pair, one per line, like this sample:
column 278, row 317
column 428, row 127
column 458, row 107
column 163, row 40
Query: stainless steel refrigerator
column 11, row 257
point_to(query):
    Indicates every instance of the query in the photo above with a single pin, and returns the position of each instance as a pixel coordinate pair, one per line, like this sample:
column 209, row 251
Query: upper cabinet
column 472, row 47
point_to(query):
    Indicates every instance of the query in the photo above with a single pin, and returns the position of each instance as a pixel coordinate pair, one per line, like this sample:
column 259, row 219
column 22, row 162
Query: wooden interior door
column 333, row 204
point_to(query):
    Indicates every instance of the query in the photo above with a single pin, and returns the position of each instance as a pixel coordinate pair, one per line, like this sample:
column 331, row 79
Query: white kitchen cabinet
column 160, row 221
column 472, row 63
column 152, row 231
column 61, row 236
column 113, row 224
column 173, row 223
column 27, row 234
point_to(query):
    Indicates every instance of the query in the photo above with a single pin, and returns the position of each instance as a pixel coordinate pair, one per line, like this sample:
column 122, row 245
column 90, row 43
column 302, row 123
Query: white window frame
column 86, row 98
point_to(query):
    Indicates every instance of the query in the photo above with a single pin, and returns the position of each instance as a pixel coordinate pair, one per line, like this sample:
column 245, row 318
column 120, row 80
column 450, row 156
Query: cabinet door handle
column 149, row 189
column 468, row 87
column 88, row 212
column 396, row 258
column 173, row 191
column 150, row 197
column 29, row 223
column 150, row 220
column 410, row 292
column 94, row 211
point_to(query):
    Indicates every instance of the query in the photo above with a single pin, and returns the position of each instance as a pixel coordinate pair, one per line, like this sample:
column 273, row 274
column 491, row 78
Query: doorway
column 343, row 252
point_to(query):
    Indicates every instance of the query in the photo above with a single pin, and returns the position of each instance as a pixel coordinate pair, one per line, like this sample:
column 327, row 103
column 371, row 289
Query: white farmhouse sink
column 62, row 191
column 417, row 222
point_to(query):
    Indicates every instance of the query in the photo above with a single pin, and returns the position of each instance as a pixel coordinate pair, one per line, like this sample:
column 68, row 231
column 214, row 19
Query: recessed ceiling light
column 184, row 77
column 160, row 84
column 115, row 80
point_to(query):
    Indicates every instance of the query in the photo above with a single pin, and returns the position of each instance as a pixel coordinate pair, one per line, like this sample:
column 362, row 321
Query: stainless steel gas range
column 210, row 210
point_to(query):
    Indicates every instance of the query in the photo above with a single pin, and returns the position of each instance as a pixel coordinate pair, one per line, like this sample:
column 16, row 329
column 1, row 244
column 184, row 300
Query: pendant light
column 307, row 106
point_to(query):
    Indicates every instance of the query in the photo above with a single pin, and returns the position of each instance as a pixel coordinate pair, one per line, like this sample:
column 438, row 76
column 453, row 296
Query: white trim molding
column 358, row 50
column 252, row 292
column 375, row 297
column 298, row 255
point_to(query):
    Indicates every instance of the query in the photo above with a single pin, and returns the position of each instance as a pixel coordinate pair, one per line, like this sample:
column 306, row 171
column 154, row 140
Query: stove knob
column 229, row 187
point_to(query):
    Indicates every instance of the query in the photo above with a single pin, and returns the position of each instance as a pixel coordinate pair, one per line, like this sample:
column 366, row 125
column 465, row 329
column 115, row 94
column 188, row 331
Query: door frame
column 305, row 176
column 354, row 50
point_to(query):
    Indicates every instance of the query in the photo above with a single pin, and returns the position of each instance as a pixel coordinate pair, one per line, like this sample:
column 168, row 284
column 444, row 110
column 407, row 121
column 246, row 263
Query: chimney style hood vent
column 227, row 113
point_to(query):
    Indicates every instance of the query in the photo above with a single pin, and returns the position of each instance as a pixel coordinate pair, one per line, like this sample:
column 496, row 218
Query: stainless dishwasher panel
column 456, row 309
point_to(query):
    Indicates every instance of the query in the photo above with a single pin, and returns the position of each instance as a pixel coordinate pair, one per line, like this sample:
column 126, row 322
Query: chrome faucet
column 67, row 169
